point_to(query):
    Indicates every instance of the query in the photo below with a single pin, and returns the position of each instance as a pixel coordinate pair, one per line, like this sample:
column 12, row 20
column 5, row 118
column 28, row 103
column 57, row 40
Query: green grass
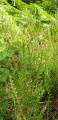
column 29, row 85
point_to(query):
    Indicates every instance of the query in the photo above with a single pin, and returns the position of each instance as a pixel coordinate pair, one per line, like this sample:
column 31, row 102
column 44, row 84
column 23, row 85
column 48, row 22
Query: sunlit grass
column 34, row 72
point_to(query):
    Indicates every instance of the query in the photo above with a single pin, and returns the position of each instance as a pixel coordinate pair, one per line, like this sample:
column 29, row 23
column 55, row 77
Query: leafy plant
column 28, row 57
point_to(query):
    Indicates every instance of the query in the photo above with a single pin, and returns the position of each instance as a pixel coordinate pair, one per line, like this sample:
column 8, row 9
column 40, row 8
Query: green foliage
column 29, row 1
column 50, row 6
column 4, row 74
column 28, row 79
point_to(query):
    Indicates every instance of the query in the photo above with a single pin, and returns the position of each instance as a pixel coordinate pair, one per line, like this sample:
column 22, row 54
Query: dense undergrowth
column 28, row 62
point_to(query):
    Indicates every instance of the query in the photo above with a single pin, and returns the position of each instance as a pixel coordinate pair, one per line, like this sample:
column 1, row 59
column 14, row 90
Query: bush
column 29, row 63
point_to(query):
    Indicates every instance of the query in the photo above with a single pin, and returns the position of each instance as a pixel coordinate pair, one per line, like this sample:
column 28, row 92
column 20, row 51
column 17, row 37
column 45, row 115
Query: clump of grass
column 34, row 71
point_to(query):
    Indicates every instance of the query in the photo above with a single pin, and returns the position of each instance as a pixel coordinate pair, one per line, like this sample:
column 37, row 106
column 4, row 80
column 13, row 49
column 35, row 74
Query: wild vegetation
column 28, row 60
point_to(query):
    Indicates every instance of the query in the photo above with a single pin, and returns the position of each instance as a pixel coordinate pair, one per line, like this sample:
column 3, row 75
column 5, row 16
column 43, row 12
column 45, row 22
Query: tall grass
column 33, row 84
